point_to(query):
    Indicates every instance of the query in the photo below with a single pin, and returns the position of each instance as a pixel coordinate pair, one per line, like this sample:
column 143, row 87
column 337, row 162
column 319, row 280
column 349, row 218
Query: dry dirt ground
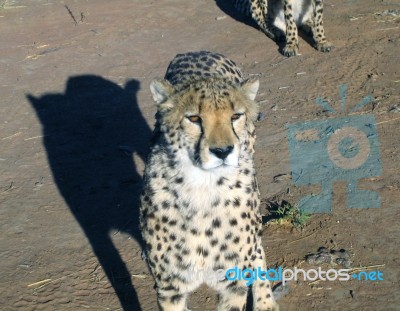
column 76, row 115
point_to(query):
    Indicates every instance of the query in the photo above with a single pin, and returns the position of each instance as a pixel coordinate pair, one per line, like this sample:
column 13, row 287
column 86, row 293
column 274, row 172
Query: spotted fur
column 200, row 204
column 280, row 18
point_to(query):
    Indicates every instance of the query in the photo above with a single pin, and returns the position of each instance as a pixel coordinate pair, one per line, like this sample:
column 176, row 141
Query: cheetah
column 282, row 18
column 199, row 212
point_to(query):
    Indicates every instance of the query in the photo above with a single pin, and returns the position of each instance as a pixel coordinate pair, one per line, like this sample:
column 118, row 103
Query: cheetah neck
column 202, row 188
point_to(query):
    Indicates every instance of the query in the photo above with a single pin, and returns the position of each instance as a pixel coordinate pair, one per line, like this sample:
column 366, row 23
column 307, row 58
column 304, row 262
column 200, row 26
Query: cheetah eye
column 194, row 119
column 236, row 116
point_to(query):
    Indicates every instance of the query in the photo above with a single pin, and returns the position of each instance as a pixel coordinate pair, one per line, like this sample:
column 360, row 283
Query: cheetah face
column 208, row 121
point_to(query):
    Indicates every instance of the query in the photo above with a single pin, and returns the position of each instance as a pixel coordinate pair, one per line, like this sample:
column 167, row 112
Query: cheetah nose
column 222, row 152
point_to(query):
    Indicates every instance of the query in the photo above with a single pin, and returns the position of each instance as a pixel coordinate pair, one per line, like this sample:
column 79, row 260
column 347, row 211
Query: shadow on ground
column 228, row 8
column 90, row 133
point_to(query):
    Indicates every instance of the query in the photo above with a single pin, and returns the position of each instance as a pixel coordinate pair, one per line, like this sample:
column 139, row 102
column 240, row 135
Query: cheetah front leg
column 233, row 297
column 171, row 300
column 292, row 41
column 259, row 10
column 317, row 28
column 263, row 299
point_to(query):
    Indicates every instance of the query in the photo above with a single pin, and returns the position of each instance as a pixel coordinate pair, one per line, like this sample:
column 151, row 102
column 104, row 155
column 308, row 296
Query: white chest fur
column 302, row 11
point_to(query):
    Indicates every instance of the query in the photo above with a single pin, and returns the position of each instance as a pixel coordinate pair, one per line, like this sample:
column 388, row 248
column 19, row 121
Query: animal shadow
column 228, row 8
column 90, row 133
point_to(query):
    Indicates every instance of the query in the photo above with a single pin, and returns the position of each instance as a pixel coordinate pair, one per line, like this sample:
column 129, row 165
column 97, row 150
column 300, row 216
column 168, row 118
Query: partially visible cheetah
column 200, row 207
column 280, row 18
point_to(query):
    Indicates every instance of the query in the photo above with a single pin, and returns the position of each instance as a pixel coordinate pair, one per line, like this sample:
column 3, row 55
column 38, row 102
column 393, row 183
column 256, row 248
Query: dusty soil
column 76, row 116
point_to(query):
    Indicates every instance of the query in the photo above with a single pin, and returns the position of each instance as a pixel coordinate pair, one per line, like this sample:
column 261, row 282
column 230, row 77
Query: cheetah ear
column 250, row 88
column 161, row 90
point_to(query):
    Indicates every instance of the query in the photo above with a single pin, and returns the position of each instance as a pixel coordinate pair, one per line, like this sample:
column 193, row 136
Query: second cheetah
column 280, row 19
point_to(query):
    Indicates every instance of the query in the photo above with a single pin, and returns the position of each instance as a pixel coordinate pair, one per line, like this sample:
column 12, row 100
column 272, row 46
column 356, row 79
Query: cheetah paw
column 274, row 307
column 324, row 47
column 290, row 50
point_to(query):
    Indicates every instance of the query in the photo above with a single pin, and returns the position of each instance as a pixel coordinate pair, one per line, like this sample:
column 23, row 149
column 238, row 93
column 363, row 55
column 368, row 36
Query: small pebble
column 280, row 291
column 261, row 117
column 395, row 109
column 341, row 257
column 220, row 17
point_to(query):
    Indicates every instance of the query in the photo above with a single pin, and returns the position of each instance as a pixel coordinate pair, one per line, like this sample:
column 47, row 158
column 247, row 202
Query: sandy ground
column 76, row 115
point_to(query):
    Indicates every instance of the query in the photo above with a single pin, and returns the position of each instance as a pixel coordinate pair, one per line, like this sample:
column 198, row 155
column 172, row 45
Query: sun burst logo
column 336, row 149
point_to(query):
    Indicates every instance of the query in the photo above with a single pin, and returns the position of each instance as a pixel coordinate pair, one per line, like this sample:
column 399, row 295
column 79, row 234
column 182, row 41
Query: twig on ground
column 71, row 14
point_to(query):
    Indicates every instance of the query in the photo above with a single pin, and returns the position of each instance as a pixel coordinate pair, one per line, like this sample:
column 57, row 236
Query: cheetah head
column 210, row 121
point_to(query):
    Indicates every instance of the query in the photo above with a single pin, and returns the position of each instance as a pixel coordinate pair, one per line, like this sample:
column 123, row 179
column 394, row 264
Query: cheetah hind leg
column 317, row 28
